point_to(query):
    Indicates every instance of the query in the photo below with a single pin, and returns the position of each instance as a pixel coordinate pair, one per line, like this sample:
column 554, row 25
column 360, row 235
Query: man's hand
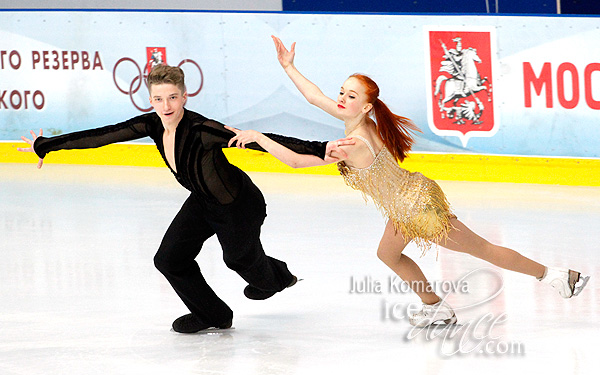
column 31, row 142
column 334, row 153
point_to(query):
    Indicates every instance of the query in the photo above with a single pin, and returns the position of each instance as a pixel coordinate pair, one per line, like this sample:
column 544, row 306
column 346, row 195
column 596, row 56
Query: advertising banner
column 473, row 84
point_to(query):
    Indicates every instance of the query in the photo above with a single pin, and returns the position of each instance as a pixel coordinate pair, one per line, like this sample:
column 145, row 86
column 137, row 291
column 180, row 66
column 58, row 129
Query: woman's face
column 352, row 100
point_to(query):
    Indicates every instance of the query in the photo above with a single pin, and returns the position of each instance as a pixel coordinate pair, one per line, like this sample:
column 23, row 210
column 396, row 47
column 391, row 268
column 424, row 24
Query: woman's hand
column 333, row 147
column 285, row 57
column 31, row 142
column 243, row 137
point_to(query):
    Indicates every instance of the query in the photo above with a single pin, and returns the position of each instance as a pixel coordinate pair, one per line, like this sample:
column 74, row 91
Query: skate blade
column 583, row 280
column 208, row 331
column 214, row 331
column 442, row 323
column 446, row 322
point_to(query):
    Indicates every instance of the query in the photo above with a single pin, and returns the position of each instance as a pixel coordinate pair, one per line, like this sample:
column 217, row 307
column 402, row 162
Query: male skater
column 223, row 200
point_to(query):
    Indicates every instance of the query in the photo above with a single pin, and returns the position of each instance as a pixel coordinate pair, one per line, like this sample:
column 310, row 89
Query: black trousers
column 237, row 226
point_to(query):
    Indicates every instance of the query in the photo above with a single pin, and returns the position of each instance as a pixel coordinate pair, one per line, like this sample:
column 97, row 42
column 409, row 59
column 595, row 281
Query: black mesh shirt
column 201, row 165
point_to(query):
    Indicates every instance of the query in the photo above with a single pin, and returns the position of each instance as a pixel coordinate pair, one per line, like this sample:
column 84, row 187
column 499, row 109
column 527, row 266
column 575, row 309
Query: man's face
column 168, row 101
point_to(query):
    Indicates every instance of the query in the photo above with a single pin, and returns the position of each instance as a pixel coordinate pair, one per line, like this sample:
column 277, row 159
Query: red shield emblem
column 155, row 56
column 460, row 97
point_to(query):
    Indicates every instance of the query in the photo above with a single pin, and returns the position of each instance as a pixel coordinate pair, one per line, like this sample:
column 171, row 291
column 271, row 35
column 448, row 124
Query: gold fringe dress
column 416, row 204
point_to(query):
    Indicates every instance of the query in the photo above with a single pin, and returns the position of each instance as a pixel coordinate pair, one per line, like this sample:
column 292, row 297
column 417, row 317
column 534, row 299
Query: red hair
column 395, row 131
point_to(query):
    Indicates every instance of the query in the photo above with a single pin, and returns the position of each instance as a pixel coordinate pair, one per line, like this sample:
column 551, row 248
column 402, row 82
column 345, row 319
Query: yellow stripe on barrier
column 141, row 155
column 455, row 167
column 518, row 169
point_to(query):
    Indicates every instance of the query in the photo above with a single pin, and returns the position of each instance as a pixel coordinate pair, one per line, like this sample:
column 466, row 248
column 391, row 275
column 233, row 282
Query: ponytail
column 395, row 131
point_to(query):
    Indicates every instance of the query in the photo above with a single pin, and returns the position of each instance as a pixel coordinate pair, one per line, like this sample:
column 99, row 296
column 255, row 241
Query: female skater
column 223, row 200
column 415, row 205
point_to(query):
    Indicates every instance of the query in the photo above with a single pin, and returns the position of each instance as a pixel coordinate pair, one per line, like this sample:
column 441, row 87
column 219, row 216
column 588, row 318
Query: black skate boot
column 189, row 324
column 254, row 293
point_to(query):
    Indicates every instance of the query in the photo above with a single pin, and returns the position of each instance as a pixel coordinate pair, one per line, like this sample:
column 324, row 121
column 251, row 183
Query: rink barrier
column 450, row 167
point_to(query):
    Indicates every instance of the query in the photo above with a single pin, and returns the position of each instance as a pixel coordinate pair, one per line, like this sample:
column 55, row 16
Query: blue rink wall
column 426, row 6
column 405, row 6
column 70, row 70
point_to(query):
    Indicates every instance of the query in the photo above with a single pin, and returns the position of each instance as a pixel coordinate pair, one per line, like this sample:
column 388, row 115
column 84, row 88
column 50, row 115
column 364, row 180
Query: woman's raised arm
column 309, row 90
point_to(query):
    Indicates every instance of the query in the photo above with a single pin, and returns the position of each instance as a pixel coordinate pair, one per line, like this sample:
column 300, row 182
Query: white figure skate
column 432, row 314
column 569, row 283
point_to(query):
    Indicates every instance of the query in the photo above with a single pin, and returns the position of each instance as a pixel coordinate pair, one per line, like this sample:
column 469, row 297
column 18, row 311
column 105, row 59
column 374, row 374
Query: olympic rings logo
column 142, row 76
